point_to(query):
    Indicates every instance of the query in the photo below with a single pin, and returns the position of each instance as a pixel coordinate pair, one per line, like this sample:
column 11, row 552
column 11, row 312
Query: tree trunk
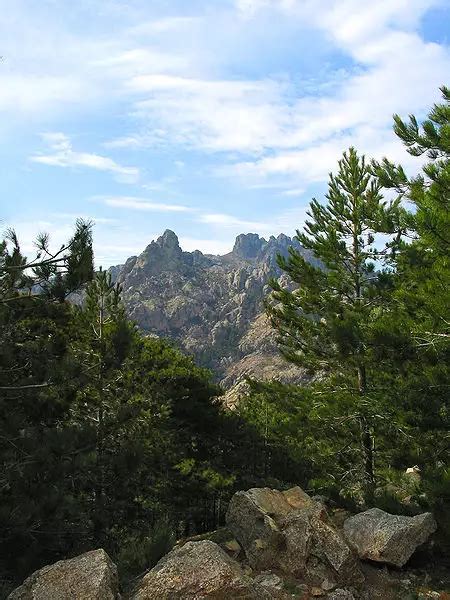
column 367, row 443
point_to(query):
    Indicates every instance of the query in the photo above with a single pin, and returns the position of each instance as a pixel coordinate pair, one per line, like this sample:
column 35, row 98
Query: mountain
column 210, row 305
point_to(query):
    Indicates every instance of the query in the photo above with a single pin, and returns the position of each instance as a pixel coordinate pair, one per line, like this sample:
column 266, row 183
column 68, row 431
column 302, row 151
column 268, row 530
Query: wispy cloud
column 93, row 219
column 140, row 204
column 63, row 155
column 293, row 192
column 285, row 221
column 229, row 221
column 205, row 245
column 220, row 87
column 381, row 39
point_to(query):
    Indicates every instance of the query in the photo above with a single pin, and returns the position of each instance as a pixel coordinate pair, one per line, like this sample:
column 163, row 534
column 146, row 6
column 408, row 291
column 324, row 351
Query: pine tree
column 425, row 263
column 55, row 274
column 422, row 301
column 328, row 322
column 37, row 379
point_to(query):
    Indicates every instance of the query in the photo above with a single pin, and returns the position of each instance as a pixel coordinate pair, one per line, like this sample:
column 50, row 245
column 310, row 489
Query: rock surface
column 210, row 305
column 340, row 594
column 386, row 538
column 290, row 531
column 288, row 548
column 90, row 576
column 199, row 570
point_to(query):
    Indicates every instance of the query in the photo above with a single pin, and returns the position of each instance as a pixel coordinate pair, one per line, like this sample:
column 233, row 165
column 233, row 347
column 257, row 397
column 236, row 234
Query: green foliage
column 141, row 551
column 424, row 264
column 38, row 376
column 332, row 320
column 371, row 325
column 107, row 438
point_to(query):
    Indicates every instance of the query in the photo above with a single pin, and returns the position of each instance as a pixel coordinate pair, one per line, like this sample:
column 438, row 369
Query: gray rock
column 391, row 539
column 248, row 245
column 341, row 594
column 291, row 532
column 199, row 570
column 90, row 576
column 269, row 580
column 210, row 305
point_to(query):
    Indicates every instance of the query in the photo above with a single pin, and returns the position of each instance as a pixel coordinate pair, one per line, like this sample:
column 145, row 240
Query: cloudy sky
column 208, row 117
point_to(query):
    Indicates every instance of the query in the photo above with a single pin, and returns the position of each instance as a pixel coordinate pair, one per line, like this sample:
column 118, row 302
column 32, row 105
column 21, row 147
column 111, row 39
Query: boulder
column 199, row 570
column 290, row 531
column 90, row 576
column 379, row 536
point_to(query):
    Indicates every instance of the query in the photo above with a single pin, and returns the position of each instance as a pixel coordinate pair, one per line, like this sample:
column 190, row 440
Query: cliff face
column 210, row 305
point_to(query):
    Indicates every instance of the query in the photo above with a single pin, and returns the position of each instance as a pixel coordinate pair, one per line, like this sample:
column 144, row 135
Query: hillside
column 212, row 306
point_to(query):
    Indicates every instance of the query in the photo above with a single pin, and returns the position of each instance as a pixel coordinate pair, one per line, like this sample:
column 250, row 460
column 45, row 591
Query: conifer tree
column 425, row 263
column 328, row 322
column 422, row 300
column 104, row 342
column 55, row 274
column 37, row 379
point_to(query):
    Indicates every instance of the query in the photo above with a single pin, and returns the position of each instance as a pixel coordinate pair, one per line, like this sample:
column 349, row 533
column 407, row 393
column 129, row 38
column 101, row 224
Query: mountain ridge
column 211, row 305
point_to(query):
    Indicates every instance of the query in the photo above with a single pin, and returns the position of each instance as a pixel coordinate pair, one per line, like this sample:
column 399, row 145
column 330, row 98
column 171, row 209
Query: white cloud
column 64, row 156
column 74, row 216
column 207, row 246
column 211, row 114
column 135, row 203
column 163, row 25
column 227, row 221
column 293, row 192
column 313, row 164
column 35, row 94
column 286, row 221
column 279, row 115
column 396, row 71
column 179, row 98
column 183, row 82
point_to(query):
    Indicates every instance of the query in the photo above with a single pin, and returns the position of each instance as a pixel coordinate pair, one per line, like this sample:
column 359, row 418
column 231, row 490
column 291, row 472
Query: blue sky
column 208, row 117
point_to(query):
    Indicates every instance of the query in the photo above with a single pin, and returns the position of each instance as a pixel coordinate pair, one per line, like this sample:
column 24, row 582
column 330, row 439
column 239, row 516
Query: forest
column 112, row 439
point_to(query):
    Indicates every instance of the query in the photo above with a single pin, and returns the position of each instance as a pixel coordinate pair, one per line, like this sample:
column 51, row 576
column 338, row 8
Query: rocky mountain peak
column 169, row 240
column 163, row 254
column 166, row 246
column 248, row 245
column 211, row 306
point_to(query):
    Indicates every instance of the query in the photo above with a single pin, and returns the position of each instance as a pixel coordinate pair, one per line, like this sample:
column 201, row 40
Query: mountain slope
column 210, row 305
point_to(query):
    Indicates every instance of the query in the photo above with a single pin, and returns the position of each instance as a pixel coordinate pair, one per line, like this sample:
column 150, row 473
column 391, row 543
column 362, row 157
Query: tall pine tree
column 328, row 320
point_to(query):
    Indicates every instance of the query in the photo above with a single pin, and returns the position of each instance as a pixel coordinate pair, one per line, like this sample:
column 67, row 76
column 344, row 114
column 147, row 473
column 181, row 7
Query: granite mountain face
column 211, row 306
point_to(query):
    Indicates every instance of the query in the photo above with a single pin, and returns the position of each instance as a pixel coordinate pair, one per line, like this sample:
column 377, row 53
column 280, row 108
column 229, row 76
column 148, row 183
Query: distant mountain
column 210, row 305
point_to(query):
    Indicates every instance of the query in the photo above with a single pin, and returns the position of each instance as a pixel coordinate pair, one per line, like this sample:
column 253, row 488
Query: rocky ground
column 211, row 306
column 277, row 545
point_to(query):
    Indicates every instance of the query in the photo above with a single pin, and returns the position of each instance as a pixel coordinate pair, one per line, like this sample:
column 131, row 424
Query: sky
column 207, row 117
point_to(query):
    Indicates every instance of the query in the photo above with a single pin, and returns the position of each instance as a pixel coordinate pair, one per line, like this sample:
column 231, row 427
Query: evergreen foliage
column 330, row 321
column 371, row 324
column 109, row 438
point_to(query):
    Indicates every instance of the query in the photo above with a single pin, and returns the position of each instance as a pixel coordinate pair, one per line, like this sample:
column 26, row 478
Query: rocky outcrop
column 286, row 546
column 290, row 531
column 91, row 576
column 392, row 539
column 199, row 570
column 211, row 306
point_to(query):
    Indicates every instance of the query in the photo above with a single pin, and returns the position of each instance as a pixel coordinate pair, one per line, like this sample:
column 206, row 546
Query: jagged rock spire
column 248, row 245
